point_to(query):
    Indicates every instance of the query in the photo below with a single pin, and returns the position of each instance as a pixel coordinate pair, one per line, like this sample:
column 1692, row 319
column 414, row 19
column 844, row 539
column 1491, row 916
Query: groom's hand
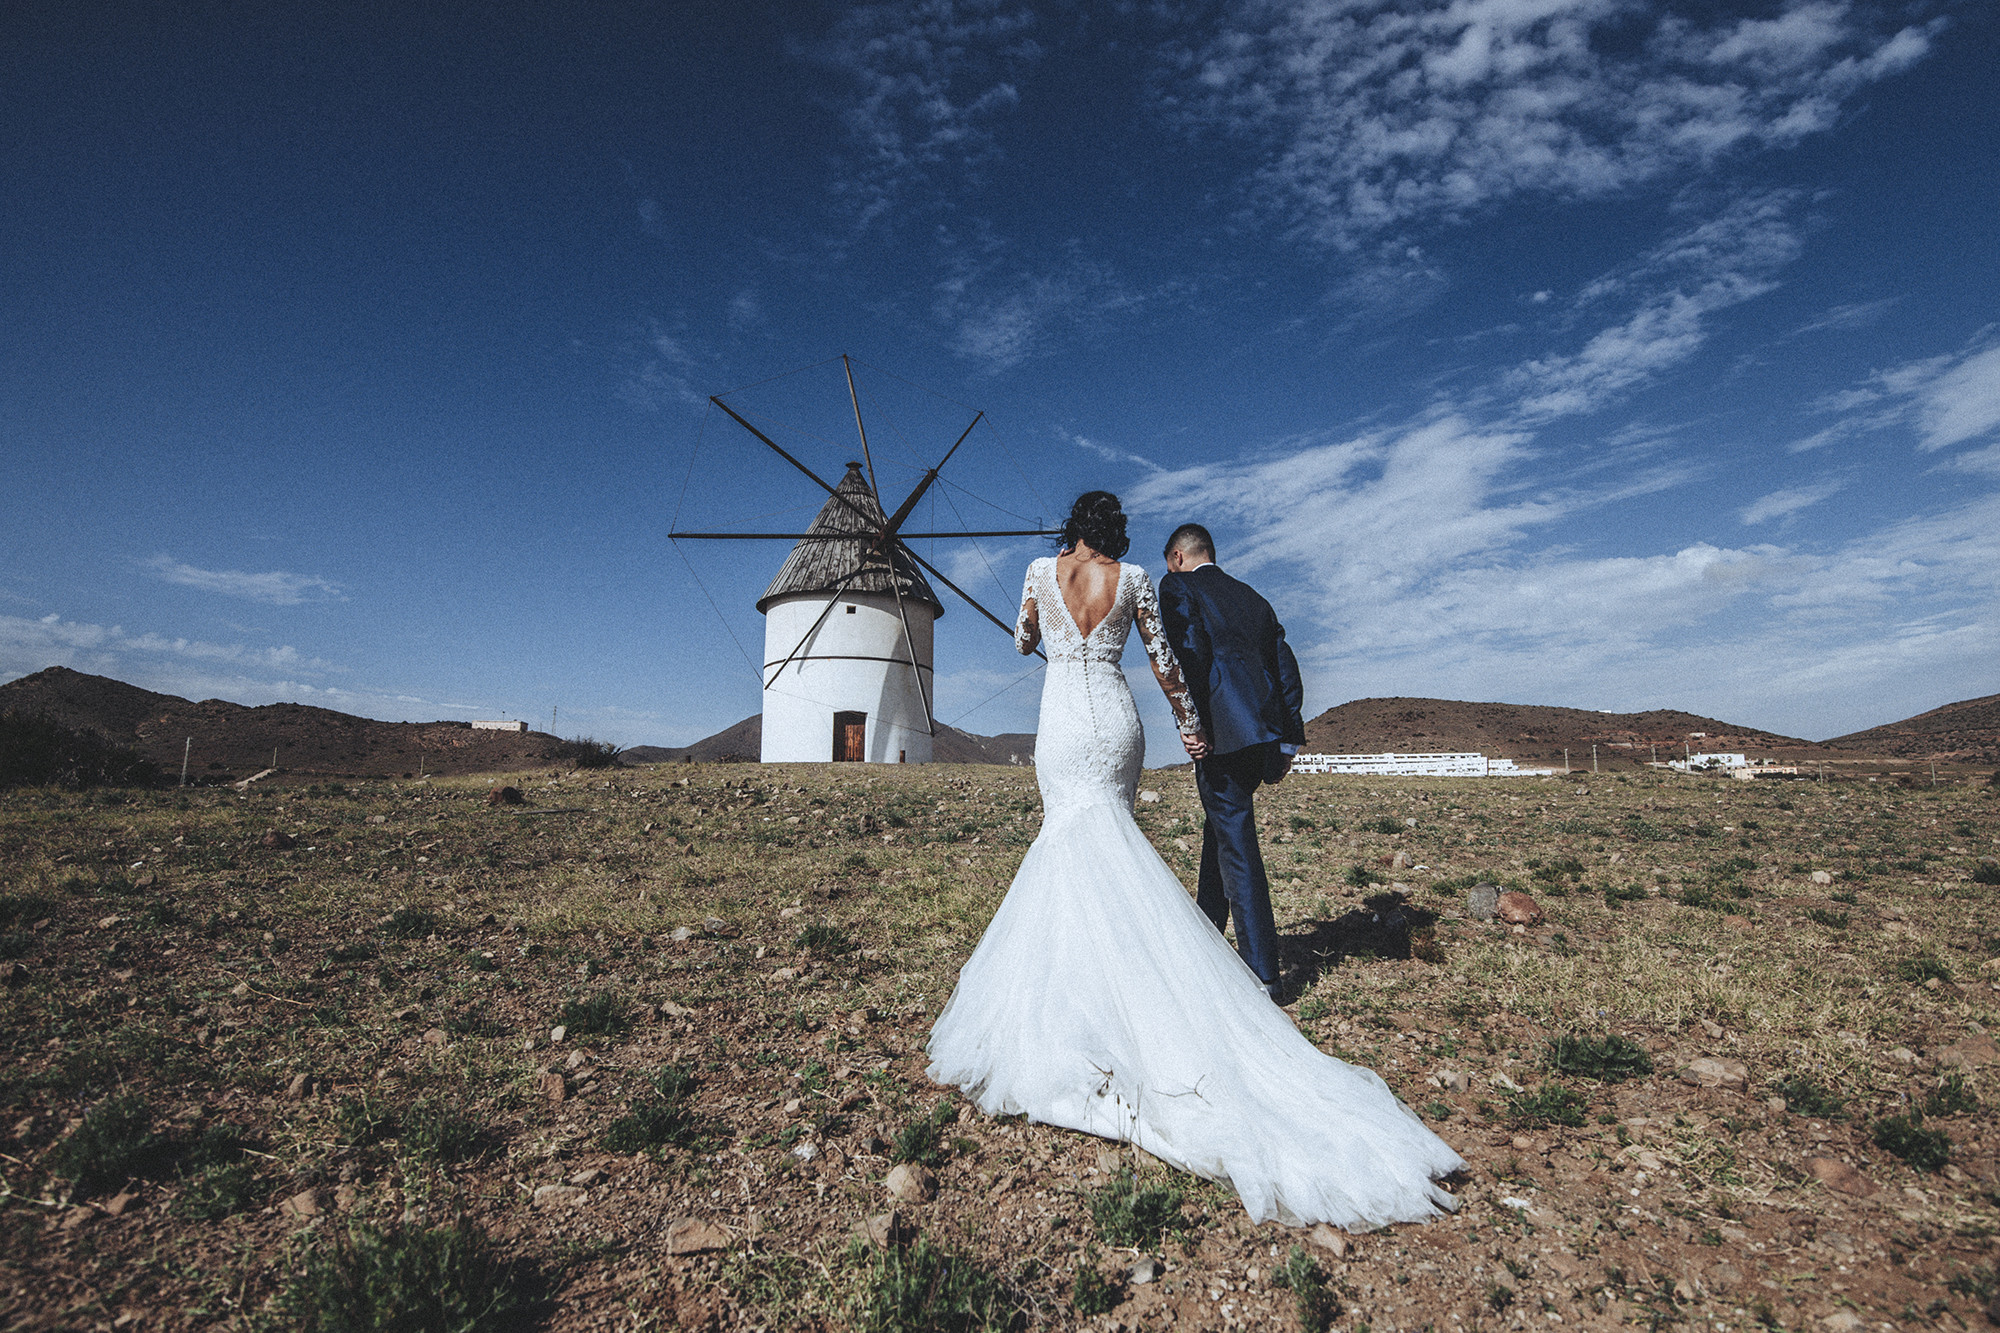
column 1196, row 745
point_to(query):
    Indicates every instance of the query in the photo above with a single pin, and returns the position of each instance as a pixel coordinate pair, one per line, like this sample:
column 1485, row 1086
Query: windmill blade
column 903, row 510
column 780, row 451
column 832, row 600
column 970, row 600
column 916, row 670
column 859, row 429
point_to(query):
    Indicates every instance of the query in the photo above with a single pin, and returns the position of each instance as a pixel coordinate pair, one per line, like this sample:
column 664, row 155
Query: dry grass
column 326, row 1005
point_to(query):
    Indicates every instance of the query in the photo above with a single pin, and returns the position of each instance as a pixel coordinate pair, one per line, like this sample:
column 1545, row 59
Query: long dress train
column 1101, row 999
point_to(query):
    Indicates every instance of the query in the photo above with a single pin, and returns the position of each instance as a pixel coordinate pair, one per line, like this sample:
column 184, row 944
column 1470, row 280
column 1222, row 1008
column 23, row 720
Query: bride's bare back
column 1088, row 582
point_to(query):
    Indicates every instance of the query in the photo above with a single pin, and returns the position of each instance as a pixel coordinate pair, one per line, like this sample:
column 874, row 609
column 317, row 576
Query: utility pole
column 552, row 718
column 1565, row 759
column 1593, row 757
column 186, row 750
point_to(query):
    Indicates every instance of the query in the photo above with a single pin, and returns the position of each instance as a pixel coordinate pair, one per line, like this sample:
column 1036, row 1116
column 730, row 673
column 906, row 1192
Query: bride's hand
column 1196, row 745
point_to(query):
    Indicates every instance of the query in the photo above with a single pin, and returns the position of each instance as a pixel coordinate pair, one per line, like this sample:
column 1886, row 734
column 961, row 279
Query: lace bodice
column 1135, row 604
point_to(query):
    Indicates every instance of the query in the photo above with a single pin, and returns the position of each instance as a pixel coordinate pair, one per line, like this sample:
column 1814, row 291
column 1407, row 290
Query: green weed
column 922, row 1140
column 1807, row 1096
column 921, row 1288
column 1905, row 1137
column 398, row 1279
column 1312, row 1299
column 605, row 1014
column 1550, row 1104
column 1608, row 1059
column 1129, row 1213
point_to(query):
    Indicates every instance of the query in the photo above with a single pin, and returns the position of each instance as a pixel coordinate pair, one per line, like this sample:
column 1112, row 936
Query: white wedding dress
column 1101, row 999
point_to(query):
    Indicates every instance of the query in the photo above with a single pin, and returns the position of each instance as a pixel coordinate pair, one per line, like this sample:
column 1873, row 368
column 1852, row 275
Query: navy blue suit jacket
column 1233, row 652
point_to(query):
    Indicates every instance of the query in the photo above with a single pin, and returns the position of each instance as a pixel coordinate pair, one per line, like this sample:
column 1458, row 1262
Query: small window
column 850, row 610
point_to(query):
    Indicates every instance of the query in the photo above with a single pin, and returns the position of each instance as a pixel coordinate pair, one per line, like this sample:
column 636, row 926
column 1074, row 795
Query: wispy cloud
column 929, row 77
column 1001, row 314
column 276, row 588
column 1721, row 262
column 30, row 644
column 1945, row 400
column 1373, row 116
column 1110, row 453
column 1784, row 503
column 662, row 377
column 1840, row 318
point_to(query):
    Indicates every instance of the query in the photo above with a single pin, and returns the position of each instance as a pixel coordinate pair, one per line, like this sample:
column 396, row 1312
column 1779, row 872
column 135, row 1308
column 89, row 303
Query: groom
column 1245, row 681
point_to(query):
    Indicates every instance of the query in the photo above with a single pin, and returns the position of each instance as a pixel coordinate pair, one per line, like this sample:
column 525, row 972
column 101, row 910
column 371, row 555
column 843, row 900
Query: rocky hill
column 1533, row 733
column 1967, row 731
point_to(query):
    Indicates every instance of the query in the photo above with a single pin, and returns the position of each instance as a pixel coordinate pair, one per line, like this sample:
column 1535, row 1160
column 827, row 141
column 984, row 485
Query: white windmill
column 849, row 620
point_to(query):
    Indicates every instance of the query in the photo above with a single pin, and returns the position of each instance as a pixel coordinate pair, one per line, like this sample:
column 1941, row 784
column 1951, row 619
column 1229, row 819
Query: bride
column 1102, row 999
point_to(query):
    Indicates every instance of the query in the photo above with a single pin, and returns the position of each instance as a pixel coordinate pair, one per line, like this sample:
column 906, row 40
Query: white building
column 500, row 726
column 1439, row 765
column 847, row 643
column 1701, row 763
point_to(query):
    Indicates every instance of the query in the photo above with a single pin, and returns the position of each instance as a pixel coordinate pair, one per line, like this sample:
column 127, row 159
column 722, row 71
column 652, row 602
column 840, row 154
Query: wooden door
column 850, row 737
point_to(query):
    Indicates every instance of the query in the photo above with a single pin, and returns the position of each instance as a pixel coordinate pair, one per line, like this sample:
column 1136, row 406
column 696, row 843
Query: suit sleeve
column 1293, row 691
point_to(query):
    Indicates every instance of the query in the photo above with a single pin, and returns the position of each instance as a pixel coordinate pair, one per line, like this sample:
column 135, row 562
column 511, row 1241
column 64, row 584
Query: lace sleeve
column 1166, row 667
column 1028, row 626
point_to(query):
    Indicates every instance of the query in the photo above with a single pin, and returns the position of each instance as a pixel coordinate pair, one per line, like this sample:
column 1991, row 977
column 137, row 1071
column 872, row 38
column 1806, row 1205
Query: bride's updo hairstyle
column 1097, row 521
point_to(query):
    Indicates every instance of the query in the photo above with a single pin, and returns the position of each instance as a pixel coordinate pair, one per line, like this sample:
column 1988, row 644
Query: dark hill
column 743, row 743
column 1533, row 732
column 233, row 740
column 1968, row 730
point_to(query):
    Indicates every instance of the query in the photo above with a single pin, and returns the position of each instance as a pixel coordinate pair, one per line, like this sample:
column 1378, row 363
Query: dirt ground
column 1798, row 961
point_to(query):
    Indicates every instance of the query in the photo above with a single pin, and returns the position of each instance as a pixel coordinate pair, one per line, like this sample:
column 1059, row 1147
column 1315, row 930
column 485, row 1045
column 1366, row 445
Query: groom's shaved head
column 1193, row 539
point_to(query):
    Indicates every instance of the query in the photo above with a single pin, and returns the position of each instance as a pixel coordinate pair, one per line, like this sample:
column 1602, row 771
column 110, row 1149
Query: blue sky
column 1587, row 352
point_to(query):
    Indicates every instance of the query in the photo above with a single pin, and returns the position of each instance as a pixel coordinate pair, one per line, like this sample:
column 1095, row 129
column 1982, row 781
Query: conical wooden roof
column 823, row 561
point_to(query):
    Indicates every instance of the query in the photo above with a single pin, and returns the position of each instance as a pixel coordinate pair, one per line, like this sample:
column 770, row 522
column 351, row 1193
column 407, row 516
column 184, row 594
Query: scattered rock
column 1970, row 1052
column 558, row 1032
column 240, row 989
column 116, row 1205
column 1144, row 1271
column 1149, row 797
column 378, row 819
column 552, row 1085
column 1452, row 1080
column 1712, row 1072
column 436, row 1037
column 1842, row 1321
column 1518, row 909
column 106, row 923
column 306, row 1203
column 886, row 1231
column 682, row 934
column 668, row 1009
column 587, row 1177
column 1109, row 1161
column 1821, row 877
column 716, row 928
column 278, row 841
column 1838, row 1175
column 1483, row 902
column 806, row 1151
column 79, row 1216
column 691, row 1235
column 1904, row 1054
column 559, row 1196
column 1505, row 1084
column 1401, row 860
column 300, row 1086
column 504, row 796
column 1330, row 1240
column 14, row 974
column 911, row 1183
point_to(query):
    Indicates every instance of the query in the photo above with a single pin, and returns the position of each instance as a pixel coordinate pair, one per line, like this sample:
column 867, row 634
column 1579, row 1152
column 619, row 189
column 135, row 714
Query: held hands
column 1196, row 745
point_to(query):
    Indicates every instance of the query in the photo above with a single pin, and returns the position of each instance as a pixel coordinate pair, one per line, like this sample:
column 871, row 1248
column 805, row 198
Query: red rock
column 1518, row 909
column 1838, row 1175
column 552, row 1085
column 912, row 1183
column 1330, row 1240
column 278, row 841
column 1712, row 1072
column 504, row 796
column 691, row 1235
column 1970, row 1051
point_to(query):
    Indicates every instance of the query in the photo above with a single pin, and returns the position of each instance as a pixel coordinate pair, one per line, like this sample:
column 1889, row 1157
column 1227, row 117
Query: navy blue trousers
column 1233, row 883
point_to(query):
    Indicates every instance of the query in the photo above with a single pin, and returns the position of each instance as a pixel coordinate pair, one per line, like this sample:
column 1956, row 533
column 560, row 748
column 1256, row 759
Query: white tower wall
column 856, row 661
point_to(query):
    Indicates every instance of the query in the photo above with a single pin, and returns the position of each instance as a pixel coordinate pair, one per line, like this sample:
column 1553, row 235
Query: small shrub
column 1313, row 1008
column 38, row 751
column 433, row 1132
column 1615, row 894
column 1905, row 1137
column 220, row 1189
column 921, row 1288
column 24, row 909
column 1131, row 1214
column 411, row 923
column 922, row 1141
column 1922, row 968
column 825, row 940
column 585, row 752
column 1361, row 877
column 1951, row 1097
column 605, row 1014
column 360, row 951
column 662, row 1120
column 114, row 1144
column 401, row 1280
column 1550, row 1104
column 1608, row 1059
column 1987, row 873
column 1807, row 1096
column 1094, row 1294
column 1386, row 824
column 1829, row 918
column 364, row 1120
column 1312, row 1299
